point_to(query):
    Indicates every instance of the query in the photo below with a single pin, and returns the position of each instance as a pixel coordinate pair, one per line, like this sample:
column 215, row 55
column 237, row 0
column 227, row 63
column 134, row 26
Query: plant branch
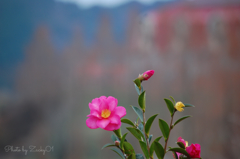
column 146, row 137
column 125, row 156
column 170, row 128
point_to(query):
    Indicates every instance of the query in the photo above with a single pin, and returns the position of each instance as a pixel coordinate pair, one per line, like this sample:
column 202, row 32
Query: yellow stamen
column 179, row 106
column 105, row 113
column 186, row 143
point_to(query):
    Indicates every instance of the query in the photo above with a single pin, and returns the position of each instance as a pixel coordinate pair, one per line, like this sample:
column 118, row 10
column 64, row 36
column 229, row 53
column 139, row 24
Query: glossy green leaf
column 150, row 138
column 139, row 156
column 137, row 82
column 127, row 121
column 138, row 112
column 144, row 149
column 132, row 156
column 180, row 150
column 142, row 100
column 140, row 126
column 122, row 140
column 152, row 145
column 164, row 128
column 137, row 133
column 185, row 117
column 137, row 89
column 114, row 138
column 158, row 150
column 181, row 145
column 188, row 105
column 118, row 133
column 170, row 106
column 174, row 102
column 128, row 149
column 118, row 152
column 108, row 145
column 149, row 123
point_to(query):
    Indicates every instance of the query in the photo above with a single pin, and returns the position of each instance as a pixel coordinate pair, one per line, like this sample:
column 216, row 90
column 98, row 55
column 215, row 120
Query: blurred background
column 56, row 56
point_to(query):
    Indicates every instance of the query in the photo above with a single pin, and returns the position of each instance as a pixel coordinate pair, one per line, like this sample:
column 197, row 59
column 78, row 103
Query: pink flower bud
column 117, row 143
column 146, row 75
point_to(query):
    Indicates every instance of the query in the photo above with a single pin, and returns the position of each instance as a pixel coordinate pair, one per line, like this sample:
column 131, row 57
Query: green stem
column 170, row 128
column 144, row 121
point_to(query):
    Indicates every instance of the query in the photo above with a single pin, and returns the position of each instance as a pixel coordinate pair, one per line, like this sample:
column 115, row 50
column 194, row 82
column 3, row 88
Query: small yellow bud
column 179, row 106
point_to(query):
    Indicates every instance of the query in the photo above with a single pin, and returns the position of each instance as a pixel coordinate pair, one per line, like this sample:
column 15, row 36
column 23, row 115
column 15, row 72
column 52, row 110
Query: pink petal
column 103, row 97
column 112, row 127
column 91, row 122
column 95, row 104
column 104, row 104
column 95, row 113
column 115, row 119
column 120, row 111
column 102, row 123
column 112, row 102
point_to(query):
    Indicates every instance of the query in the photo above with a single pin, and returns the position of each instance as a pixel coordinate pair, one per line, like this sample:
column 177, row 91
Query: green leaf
column 181, row 145
column 137, row 133
column 108, row 145
column 114, row 138
column 150, row 138
column 174, row 102
column 140, row 126
column 137, row 82
column 180, row 150
column 144, row 149
column 188, row 105
column 128, row 149
column 138, row 112
column 118, row 152
column 122, row 140
column 137, row 89
column 142, row 100
column 158, row 150
column 149, row 123
column 127, row 121
column 170, row 106
column 185, row 117
column 139, row 156
column 164, row 128
column 118, row 133
column 152, row 145
column 132, row 156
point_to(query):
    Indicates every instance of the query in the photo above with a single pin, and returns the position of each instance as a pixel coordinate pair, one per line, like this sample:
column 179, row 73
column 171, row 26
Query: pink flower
column 105, row 114
column 180, row 139
column 194, row 150
column 148, row 74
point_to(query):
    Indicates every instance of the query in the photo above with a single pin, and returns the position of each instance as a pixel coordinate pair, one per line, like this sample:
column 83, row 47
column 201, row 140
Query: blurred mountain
column 20, row 19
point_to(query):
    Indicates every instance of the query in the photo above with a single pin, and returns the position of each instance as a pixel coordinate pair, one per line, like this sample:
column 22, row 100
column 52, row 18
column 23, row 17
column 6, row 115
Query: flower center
column 105, row 113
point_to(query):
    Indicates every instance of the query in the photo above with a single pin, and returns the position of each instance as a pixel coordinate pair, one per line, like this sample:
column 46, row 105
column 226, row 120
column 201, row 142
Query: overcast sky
column 105, row 3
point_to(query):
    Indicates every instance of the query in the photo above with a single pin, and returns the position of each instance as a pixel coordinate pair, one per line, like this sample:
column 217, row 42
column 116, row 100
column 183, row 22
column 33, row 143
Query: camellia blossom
column 194, row 150
column 146, row 75
column 105, row 114
column 179, row 106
